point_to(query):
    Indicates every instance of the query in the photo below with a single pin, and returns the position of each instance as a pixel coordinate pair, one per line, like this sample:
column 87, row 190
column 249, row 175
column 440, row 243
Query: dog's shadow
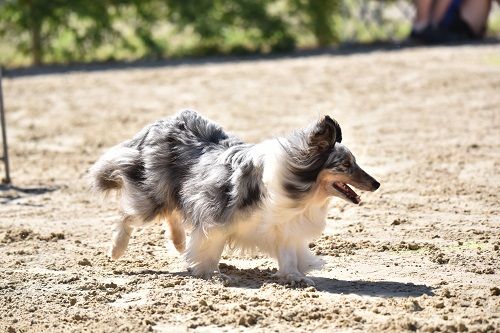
column 372, row 288
column 255, row 278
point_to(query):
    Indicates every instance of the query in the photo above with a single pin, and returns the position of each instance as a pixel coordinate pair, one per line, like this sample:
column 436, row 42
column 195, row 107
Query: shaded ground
column 419, row 254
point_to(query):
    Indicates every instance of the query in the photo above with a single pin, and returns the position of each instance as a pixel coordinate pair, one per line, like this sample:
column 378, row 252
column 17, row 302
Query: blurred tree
column 216, row 20
column 88, row 24
column 69, row 30
column 43, row 19
column 320, row 18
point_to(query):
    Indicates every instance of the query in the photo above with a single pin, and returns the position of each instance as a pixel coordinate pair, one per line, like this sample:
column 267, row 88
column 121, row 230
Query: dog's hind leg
column 204, row 251
column 177, row 232
column 121, row 237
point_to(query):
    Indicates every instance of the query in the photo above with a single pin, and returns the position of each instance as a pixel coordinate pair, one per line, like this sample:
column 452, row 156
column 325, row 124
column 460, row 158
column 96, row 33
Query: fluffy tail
column 109, row 171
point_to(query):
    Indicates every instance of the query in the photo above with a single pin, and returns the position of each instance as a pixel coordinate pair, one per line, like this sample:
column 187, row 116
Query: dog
column 272, row 196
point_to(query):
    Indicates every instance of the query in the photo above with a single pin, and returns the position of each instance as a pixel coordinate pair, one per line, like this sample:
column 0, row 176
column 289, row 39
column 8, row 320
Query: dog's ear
column 325, row 133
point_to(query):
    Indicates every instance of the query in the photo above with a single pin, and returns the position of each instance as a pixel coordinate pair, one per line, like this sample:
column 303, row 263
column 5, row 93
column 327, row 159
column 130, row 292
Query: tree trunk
column 35, row 32
column 321, row 14
column 36, row 45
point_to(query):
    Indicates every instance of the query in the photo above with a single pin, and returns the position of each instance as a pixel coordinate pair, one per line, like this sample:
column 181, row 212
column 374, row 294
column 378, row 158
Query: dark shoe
column 417, row 36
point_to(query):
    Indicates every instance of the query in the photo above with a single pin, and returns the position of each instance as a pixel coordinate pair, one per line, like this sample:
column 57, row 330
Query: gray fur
column 188, row 164
column 184, row 163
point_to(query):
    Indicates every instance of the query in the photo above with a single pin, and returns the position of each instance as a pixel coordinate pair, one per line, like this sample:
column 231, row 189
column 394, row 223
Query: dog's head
column 317, row 157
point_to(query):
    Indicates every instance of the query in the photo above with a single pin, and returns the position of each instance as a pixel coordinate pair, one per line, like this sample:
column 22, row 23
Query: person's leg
column 440, row 9
column 423, row 15
column 475, row 13
column 456, row 21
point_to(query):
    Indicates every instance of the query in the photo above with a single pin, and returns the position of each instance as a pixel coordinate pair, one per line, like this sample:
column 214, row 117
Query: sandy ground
column 420, row 254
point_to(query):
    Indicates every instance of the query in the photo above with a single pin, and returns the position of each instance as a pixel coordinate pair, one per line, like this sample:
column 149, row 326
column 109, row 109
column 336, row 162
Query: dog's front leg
column 204, row 251
column 307, row 261
column 288, row 266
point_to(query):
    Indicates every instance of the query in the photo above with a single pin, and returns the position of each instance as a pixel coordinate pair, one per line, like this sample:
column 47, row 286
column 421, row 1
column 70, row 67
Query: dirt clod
column 439, row 305
column 84, row 262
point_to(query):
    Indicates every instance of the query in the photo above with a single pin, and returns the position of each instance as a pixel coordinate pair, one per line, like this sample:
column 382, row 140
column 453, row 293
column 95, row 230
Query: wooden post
column 5, row 157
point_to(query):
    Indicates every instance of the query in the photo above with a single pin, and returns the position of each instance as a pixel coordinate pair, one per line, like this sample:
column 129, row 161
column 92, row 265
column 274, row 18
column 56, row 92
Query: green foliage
column 59, row 31
column 43, row 20
column 239, row 26
column 68, row 30
column 83, row 30
column 320, row 18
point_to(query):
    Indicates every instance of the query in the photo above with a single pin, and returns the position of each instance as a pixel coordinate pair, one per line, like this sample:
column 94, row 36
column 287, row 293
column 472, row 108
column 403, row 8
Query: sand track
column 420, row 254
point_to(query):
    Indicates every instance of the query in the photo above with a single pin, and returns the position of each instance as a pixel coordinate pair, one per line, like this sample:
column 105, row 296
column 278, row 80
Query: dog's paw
column 194, row 271
column 294, row 279
column 116, row 252
column 213, row 275
column 224, row 279
column 119, row 241
column 201, row 272
column 310, row 263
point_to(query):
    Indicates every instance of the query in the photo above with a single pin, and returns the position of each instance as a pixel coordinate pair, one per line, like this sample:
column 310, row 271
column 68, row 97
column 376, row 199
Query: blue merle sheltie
column 271, row 196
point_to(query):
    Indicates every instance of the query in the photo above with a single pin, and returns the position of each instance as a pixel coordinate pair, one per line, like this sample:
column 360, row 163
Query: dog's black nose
column 375, row 185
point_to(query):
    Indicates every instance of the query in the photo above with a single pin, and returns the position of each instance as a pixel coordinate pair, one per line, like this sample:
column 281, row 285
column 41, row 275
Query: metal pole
column 5, row 156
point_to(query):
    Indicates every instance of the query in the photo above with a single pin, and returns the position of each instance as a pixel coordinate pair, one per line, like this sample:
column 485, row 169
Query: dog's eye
column 347, row 164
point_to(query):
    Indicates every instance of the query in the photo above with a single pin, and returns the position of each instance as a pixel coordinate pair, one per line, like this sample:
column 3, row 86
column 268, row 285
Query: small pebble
column 84, row 262
column 439, row 305
column 413, row 246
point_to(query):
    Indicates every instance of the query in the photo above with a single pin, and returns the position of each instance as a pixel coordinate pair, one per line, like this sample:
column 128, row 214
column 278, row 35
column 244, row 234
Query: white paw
column 115, row 253
column 117, row 250
column 119, row 242
column 201, row 272
column 312, row 263
column 226, row 280
column 213, row 274
column 295, row 278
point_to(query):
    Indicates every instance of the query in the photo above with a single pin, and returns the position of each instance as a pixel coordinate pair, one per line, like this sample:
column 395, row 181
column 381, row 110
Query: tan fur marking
column 323, row 188
column 177, row 232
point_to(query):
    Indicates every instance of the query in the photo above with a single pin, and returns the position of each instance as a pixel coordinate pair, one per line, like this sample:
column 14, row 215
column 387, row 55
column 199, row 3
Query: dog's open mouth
column 347, row 191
